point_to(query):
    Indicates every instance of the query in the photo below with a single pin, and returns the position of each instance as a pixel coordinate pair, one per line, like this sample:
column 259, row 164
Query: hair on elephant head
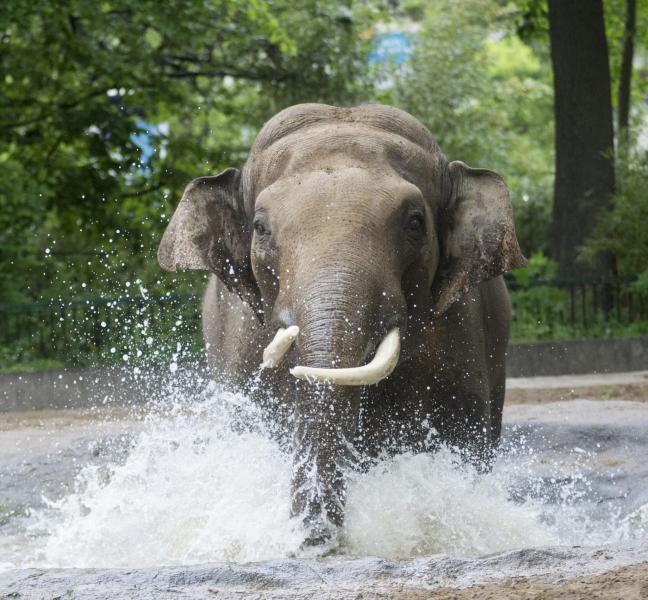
column 368, row 260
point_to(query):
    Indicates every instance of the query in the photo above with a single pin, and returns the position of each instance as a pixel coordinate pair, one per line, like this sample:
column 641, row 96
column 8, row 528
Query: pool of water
column 191, row 482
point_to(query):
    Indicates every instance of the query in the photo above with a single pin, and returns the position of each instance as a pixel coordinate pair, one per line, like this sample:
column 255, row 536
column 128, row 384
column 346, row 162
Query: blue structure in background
column 142, row 139
column 393, row 46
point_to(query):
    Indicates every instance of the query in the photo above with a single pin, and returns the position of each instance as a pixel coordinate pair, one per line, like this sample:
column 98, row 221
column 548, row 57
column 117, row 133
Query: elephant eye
column 415, row 224
column 260, row 228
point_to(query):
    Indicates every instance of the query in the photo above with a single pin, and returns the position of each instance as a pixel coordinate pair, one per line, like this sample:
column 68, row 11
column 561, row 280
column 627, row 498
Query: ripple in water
column 197, row 487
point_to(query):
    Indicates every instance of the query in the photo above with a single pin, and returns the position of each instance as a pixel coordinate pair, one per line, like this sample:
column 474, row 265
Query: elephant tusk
column 276, row 349
column 382, row 364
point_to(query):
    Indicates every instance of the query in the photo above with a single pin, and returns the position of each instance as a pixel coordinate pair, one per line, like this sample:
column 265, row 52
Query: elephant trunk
column 339, row 321
column 325, row 429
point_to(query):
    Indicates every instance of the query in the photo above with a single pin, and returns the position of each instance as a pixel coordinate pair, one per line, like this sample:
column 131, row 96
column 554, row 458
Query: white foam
column 200, row 484
column 415, row 505
column 191, row 490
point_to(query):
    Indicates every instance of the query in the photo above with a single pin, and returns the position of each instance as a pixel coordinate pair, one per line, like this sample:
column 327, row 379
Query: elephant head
column 346, row 231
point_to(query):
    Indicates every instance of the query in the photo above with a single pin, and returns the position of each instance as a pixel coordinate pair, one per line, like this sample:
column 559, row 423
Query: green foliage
column 80, row 78
column 531, row 19
column 132, row 331
column 539, row 268
column 20, row 203
column 543, row 309
column 539, row 329
column 539, row 309
column 615, row 15
column 641, row 284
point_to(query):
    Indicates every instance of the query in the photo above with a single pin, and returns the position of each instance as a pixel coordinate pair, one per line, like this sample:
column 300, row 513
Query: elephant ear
column 478, row 240
column 209, row 230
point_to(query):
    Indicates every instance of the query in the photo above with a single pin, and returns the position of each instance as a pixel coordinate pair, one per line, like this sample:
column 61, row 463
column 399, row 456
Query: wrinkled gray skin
column 348, row 222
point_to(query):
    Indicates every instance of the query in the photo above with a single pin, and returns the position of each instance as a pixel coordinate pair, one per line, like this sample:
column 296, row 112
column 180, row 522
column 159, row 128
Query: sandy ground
column 607, row 386
column 56, row 419
column 627, row 583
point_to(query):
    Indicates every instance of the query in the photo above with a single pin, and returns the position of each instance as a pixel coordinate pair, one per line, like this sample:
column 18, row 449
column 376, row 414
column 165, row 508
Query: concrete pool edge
column 319, row 578
column 116, row 389
column 552, row 364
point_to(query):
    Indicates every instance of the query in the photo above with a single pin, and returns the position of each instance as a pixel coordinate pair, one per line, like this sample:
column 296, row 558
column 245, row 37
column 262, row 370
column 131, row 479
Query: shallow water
column 200, row 481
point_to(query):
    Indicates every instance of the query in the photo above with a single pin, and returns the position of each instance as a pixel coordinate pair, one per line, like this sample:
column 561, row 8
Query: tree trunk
column 584, row 130
column 625, row 77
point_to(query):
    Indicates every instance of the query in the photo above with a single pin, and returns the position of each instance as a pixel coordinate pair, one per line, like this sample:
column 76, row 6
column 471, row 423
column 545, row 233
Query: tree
column 625, row 77
column 621, row 230
column 584, row 131
column 82, row 79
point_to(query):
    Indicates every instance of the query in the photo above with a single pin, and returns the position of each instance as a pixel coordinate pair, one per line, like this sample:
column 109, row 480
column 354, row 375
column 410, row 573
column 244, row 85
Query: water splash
column 201, row 483
column 204, row 481
column 416, row 505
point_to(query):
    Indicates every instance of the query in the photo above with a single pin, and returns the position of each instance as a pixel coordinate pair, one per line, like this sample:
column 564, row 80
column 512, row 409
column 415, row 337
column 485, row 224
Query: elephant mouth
column 381, row 365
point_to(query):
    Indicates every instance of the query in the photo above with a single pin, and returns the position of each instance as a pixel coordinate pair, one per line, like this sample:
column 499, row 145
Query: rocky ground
column 362, row 579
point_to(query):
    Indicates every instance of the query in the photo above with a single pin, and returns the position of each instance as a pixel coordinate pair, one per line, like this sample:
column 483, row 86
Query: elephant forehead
column 340, row 146
column 351, row 189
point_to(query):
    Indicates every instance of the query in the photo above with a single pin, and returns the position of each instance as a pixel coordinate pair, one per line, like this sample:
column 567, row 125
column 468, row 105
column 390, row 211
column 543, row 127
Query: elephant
column 363, row 271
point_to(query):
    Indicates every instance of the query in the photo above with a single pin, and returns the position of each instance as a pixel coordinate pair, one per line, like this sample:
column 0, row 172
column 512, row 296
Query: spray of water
column 414, row 505
column 204, row 481
column 199, row 484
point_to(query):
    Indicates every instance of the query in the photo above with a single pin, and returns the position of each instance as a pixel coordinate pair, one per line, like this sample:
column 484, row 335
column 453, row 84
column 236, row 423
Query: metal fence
column 131, row 329
column 154, row 328
column 580, row 303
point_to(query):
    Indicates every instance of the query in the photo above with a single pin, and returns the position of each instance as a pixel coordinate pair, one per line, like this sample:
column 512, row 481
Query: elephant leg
column 464, row 420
